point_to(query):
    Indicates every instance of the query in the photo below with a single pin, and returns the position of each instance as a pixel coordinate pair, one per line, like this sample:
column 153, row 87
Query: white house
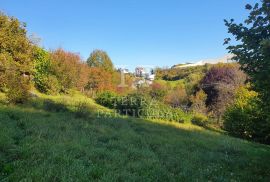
column 140, row 72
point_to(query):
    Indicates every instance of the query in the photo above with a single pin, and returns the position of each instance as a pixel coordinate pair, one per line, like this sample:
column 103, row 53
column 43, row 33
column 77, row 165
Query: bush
column 158, row 91
column 161, row 111
column 2, row 79
column 200, row 120
column 48, row 85
column 245, row 118
column 132, row 104
column 198, row 102
column 139, row 105
column 107, row 99
column 17, row 88
column 52, row 106
column 52, row 86
column 82, row 110
column 179, row 73
column 192, row 82
column 177, row 98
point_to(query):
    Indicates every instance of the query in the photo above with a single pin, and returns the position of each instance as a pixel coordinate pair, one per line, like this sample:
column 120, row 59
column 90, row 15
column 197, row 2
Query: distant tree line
column 237, row 96
column 24, row 65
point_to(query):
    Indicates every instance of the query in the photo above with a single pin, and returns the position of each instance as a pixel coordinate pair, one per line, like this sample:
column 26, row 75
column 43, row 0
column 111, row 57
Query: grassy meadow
column 67, row 114
column 59, row 142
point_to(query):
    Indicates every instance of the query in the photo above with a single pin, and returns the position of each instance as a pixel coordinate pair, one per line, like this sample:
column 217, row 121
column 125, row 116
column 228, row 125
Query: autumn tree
column 100, row 59
column 99, row 80
column 220, row 83
column 84, row 74
column 198, row 102
column 158, row 91
column 66, row 68
column 15, row 58
column 177, row 97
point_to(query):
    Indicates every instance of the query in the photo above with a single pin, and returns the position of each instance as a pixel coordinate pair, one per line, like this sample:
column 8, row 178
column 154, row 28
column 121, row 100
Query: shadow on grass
column 119, row 147
column 82, row 110
column 78, row 109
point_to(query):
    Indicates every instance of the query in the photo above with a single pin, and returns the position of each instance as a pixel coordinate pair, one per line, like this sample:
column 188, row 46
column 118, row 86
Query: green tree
column 44, row 79
column 253, row 48
column 100, row 59
column 15, row 57
column 244, row 117
column 253, row 53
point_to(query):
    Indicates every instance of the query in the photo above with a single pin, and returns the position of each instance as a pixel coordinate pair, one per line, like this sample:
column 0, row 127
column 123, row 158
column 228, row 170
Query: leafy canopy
column 100, row 59
column 253, row 48
column 253, row 53
column 15, row 58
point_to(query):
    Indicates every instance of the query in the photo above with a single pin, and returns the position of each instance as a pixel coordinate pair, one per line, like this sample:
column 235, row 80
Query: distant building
column 226, row 59
column 144, row 78
column 124, row 70
column 150, row 77
column 140, row 72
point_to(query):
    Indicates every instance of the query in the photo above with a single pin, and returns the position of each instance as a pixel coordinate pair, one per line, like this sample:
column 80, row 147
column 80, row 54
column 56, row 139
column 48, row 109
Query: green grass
column 37, row 145
column 172, row 84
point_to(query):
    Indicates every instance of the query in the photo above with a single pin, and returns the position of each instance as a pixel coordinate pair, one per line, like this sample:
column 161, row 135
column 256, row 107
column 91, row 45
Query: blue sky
column 133, row 32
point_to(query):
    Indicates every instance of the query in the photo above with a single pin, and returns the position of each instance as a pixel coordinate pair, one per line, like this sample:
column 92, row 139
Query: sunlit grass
column 37, row 145
column 172, row 84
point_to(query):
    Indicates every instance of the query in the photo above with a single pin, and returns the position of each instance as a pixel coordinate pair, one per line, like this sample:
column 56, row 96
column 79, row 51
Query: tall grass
column 38, row 145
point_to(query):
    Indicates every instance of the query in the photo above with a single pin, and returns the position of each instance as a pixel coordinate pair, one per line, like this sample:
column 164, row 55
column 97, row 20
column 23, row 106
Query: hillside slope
column 38, row 145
